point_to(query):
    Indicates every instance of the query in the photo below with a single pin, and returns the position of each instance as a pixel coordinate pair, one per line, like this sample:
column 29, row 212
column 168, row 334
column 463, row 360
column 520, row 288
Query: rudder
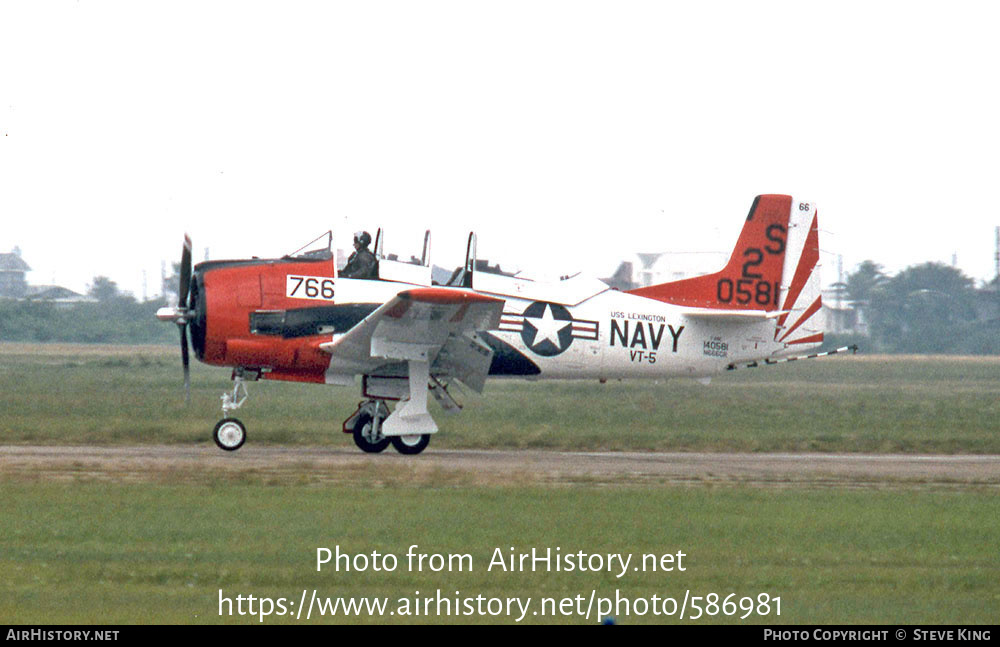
column 800, row 324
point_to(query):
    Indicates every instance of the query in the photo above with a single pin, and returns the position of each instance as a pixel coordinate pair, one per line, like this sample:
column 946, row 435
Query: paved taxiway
column 324, row 464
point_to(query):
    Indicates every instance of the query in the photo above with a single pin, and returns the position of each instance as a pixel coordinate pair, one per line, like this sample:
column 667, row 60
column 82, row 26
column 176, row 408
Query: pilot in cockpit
column 362, row 264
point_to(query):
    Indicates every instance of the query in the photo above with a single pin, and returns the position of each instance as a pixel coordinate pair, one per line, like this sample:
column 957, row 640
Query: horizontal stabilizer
column 735, row 316
column 771, row 362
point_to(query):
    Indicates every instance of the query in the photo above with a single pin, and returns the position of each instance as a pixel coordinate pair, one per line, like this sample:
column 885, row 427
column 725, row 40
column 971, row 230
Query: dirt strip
column 207, row 464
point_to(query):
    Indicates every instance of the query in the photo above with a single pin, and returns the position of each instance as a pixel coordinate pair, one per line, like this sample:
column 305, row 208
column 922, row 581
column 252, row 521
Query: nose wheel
column 229, row 434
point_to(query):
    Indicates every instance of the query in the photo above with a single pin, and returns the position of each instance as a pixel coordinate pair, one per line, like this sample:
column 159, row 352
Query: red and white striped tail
column 800, row 326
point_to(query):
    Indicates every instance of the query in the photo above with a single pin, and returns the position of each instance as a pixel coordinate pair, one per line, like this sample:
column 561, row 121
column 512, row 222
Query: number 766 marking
column 309, row 287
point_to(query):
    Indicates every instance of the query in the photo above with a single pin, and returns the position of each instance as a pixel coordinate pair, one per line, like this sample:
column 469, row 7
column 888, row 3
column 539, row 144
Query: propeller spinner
column 181, row 314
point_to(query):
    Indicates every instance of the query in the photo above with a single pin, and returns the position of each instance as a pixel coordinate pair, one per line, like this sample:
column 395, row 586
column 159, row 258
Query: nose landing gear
column 229, row 433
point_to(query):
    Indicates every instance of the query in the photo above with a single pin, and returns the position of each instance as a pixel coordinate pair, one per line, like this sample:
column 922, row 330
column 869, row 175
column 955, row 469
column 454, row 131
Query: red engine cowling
column 241, row 312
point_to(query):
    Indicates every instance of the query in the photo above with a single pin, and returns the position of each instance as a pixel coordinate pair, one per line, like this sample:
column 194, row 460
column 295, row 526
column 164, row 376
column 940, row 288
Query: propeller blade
column 182, row 295
column 186, row 362
column 180, row 314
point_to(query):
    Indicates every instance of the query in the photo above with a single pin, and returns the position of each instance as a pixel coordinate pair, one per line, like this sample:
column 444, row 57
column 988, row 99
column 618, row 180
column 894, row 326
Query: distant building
column 843, row 316
column 57, row 294
column 13, row 283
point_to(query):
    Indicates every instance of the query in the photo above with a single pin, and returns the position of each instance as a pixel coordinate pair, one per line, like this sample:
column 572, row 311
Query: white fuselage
column 582, row 329
column 618, row 335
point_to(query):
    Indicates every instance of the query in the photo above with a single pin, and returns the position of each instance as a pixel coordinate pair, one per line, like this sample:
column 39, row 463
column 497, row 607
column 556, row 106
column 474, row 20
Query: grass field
column 112, row 395
column 101, row 550
column 114, row 553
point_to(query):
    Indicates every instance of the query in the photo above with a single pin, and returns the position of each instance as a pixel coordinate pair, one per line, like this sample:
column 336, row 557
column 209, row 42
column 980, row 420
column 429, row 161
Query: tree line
column 926, row 308
column 115, row 318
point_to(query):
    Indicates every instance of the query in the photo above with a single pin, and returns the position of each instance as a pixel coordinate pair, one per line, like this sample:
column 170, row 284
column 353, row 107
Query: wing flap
column 416, row 324
column 466, row 357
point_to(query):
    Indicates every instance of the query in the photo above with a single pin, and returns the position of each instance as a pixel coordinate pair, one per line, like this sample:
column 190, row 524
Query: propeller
column 180, row 314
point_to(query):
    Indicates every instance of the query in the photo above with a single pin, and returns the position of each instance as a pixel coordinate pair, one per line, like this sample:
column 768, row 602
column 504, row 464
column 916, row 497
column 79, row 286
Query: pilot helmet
column 363, row 237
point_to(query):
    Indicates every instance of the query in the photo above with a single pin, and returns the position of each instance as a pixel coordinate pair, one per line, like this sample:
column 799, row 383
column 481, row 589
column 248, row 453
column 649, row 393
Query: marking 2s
column 318, row 288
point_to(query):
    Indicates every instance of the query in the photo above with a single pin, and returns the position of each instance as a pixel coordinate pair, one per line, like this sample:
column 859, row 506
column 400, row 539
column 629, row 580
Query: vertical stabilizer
column 773, row 268
column 752, row 278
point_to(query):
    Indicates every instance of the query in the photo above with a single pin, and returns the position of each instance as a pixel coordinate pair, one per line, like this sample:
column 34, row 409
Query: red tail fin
column 752, row 278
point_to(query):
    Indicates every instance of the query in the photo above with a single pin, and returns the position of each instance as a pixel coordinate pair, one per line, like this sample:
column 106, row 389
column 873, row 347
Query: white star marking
column 547, row 327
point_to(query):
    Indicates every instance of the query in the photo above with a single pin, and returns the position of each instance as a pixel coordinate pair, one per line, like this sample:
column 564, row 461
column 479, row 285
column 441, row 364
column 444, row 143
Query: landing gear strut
column 229, row 433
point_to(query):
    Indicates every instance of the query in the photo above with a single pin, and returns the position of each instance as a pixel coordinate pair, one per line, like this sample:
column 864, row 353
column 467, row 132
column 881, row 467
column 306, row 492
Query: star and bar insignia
column 548, row 329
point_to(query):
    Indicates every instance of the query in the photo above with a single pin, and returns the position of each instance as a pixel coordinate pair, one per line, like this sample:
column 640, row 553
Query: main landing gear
column 409, row 427
column 365, row 425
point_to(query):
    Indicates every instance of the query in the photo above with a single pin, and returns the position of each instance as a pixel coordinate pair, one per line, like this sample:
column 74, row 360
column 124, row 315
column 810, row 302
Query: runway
column 270, row 464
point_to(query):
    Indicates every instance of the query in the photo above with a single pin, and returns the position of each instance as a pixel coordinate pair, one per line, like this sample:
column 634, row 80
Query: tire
column 411, row 444
column 365, row 420
column 229, row 434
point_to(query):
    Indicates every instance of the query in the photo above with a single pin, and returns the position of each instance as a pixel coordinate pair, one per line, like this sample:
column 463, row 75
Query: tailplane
column 773, row 269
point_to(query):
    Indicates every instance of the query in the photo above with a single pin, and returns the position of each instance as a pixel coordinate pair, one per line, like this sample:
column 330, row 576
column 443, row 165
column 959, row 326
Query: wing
column 434, row 324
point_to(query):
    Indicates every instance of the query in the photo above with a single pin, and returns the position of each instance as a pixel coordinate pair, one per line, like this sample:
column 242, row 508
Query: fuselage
column 272, row 316
column 617, row 335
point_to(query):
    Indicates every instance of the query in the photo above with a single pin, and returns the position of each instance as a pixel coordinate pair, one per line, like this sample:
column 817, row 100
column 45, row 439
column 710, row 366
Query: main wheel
column 411, row 444
column 366, row 438
column 229, row 434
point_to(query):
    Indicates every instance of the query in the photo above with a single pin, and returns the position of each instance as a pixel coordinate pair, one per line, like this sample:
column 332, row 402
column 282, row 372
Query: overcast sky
column 566, row 134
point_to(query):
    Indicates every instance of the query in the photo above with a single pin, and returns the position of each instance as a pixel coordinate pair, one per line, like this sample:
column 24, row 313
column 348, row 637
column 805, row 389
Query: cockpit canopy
column 477, row 274
column 320, row 253
column 393, row 266
column 404, row 266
